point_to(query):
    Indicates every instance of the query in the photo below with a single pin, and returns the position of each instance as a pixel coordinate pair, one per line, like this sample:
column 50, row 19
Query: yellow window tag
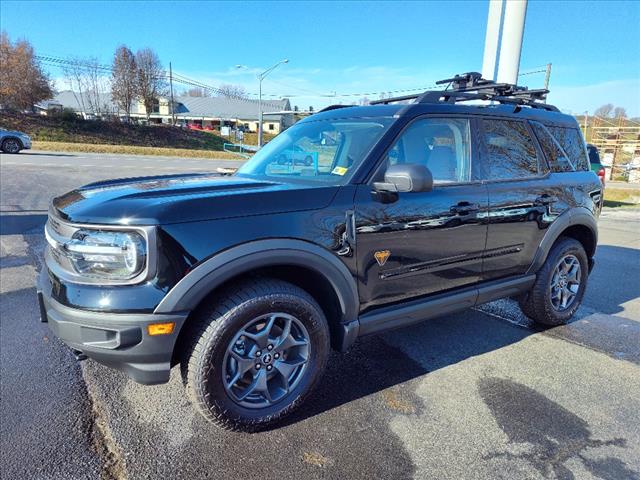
column 339, row 170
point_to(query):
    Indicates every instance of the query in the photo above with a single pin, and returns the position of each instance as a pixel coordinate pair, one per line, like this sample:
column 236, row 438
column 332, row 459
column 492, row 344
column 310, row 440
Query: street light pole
column 260, row 111
column 261, row 76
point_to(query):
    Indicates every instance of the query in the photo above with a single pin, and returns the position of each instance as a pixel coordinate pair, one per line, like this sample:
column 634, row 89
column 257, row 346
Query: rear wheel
column 258, row 351
column 11, row 145
column 560, row 284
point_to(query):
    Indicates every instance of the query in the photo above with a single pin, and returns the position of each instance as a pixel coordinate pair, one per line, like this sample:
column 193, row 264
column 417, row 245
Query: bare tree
column 151, row 81
column 124, row 77
column 364, row 101
column 229, row 90
column 75, row 76
column 96, row 86
column 619, row 112
column 197, row 92
column 22, row 81
column 88, row 83
column 604, row 111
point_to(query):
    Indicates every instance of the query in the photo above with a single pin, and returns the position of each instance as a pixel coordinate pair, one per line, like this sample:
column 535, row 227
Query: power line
column 182, row 79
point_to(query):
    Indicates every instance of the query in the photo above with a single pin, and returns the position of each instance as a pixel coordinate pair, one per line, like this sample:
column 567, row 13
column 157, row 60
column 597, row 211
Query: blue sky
column 348, row 47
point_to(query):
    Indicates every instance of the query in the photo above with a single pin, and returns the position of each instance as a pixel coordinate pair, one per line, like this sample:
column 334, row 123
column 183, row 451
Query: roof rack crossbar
column 385, row 101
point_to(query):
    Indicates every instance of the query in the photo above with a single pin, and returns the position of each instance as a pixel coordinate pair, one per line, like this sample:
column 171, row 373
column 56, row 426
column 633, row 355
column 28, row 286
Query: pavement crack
column 112, row 460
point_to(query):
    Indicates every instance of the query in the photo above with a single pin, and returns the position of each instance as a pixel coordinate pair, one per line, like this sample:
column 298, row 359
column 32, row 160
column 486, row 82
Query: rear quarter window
column 564, row 147
column 571, row 141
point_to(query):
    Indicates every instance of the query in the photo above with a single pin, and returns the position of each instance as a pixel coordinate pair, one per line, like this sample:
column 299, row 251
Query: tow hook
column 79, row 356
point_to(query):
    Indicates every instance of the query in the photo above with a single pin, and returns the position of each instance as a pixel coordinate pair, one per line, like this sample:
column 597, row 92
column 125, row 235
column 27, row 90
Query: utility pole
column 515, row 12
column 586, row 124
column 492, row 39
column 547, row 76
column 173, row 117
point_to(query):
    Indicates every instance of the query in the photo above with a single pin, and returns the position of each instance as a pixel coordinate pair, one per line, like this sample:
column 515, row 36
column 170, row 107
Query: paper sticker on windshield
column 339, row 170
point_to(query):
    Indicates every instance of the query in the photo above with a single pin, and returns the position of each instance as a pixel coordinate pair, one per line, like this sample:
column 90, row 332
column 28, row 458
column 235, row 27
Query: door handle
column 464, row 208
column 546, row 199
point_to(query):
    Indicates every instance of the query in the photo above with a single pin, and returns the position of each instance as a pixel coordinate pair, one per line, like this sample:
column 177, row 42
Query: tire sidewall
column 210, row 366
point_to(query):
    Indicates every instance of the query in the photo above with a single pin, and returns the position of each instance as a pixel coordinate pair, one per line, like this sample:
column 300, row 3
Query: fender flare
column 574, row 216
column 212, row 273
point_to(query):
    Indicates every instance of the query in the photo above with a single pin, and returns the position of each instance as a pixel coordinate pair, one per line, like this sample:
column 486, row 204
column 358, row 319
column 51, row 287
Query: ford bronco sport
column 413, row 207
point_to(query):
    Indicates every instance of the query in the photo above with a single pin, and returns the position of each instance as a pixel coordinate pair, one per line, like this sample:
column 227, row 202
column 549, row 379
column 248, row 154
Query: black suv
column 410, row 208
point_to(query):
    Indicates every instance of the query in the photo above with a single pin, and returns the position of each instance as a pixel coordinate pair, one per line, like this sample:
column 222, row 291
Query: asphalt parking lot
column 482, row 394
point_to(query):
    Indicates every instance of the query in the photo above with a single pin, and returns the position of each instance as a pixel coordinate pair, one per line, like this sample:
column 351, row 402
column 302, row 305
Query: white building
column 204, row 112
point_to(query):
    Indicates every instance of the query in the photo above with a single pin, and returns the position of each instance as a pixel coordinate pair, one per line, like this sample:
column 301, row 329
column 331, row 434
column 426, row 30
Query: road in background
column 480, row 394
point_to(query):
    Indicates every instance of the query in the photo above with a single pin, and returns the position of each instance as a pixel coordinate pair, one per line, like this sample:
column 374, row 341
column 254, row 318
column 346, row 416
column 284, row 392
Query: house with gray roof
column 205, row 112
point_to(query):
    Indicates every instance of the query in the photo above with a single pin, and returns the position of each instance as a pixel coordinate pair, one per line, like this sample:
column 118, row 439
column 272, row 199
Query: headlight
column 108, row 255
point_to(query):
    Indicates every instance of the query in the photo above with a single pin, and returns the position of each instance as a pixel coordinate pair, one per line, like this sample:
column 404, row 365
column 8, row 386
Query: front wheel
column 257, row 352
column 11, row 145
column 560, row 284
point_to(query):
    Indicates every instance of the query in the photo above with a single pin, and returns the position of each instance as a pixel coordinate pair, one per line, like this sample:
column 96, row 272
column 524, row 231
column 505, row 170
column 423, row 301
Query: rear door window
column 510, row 152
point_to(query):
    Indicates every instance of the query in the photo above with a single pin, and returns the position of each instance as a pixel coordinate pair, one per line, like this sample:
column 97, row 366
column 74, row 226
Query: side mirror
column 406, row 177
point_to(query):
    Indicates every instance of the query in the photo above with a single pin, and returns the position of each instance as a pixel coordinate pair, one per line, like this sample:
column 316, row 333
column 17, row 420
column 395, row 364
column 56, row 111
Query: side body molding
column 189, row 291
column 574, row 216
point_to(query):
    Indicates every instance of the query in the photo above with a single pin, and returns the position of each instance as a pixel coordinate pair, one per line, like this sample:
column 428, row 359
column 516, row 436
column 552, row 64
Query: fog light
column 161, row 328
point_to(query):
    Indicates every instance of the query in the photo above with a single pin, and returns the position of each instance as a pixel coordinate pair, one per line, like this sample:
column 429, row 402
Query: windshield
column 325, row 150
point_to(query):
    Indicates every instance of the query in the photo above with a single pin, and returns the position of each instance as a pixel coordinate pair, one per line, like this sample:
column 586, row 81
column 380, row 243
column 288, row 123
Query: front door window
column 441, row 144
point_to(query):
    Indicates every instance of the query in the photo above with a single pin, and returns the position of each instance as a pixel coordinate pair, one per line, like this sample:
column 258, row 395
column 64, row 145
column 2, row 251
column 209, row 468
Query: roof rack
column 334, row 107
column 471, row 86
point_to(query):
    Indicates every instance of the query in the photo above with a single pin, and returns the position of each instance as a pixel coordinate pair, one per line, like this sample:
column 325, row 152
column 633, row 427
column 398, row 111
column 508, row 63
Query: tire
column 221, row 335
column 11, row 145
column 540, row 304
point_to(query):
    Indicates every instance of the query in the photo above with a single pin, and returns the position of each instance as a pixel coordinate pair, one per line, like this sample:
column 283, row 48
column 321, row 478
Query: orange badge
column 382, row 256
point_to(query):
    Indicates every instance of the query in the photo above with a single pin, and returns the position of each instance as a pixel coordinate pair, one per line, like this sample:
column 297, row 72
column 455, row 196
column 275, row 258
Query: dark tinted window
column 558, row 161
column 594, row 156
column 571, row 142
column 510, row 150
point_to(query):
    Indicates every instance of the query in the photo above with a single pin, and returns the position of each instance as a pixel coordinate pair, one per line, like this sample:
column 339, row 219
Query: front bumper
column 118, row 340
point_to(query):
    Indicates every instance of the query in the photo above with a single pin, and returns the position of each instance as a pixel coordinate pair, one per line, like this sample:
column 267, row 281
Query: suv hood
column 186, row 198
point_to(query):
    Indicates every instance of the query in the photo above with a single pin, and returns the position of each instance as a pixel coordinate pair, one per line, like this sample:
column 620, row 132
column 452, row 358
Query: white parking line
column 182, row 166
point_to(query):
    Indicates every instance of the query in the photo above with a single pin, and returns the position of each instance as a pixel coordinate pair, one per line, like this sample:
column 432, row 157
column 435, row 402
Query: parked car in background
column 12, row 141
column 594, row 159
column 296, row 155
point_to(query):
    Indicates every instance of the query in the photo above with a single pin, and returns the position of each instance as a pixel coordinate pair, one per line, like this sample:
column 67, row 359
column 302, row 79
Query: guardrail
column 244, row 150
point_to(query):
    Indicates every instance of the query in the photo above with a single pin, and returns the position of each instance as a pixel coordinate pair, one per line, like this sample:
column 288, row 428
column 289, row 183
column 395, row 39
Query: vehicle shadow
column 20, row 222
column 555, row 435
column 376, row 363
column 614, row 280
